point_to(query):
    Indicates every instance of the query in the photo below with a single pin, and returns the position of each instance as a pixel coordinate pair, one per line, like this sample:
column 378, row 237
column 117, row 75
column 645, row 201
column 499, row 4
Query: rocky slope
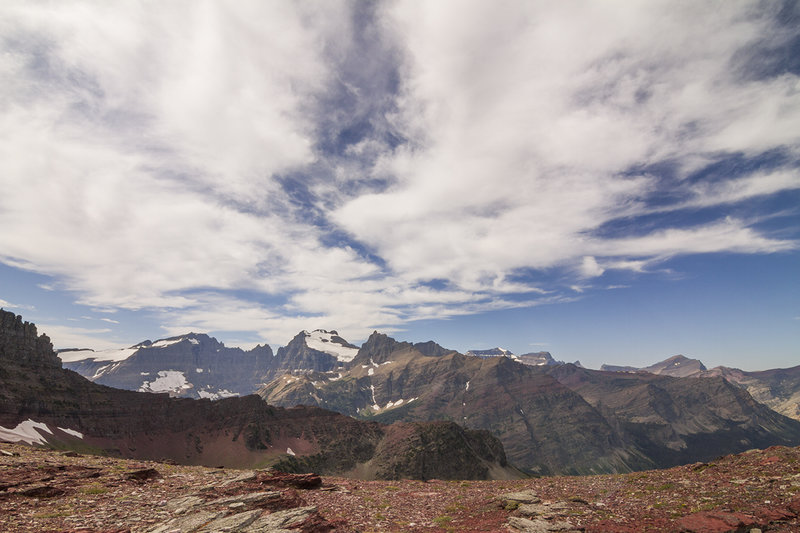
column 680, row 420
column 778, row 388
column 44, row 490
column 42, row 403
column 550, row 418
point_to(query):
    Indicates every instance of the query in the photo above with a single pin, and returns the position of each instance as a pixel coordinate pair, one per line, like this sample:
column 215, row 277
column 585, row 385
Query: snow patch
column 322, row 341
column 198, row 370
column 144, row 373
column 290, row 451
column 100, row 355
column 467, row 387
column 337, row 378
column 166, row 342
column 167, row 381
column 194, row 341
column 27, row 431
column 371, row 372
column 72, row 432
column 221, row 393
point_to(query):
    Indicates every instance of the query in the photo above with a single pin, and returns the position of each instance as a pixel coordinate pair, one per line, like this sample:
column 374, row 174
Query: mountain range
column 550, row 417
column 557, row 418
column 42, row 403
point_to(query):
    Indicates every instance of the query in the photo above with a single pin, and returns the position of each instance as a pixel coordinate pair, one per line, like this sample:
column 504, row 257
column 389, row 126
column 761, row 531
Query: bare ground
column 47, row 491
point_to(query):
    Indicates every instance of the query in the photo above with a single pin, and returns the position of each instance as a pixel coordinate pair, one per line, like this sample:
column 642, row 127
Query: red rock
column 715, row 522
column 772, row 513
column 297, row 481
column 794, row 505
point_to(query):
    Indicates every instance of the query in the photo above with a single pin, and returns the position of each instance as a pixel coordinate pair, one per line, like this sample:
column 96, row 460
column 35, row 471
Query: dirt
column 49, row 491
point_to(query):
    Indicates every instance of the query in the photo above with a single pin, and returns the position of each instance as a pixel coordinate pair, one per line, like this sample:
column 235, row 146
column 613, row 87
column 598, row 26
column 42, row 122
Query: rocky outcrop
column 21, row 344
column 297, row 355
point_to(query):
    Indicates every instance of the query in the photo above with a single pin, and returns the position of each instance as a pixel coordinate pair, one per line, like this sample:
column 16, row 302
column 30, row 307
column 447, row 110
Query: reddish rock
column 715, row 522
column 297, row 481
column 772, row 513
column 42, row 491
column 143, row 475
column 794, row 505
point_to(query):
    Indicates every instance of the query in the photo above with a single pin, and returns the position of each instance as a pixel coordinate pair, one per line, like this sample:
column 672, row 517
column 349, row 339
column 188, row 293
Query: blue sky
column 612, row 182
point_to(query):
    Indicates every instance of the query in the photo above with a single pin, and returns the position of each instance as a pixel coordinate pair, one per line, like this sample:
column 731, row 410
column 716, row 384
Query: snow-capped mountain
column 198, row 366
column 193, row 365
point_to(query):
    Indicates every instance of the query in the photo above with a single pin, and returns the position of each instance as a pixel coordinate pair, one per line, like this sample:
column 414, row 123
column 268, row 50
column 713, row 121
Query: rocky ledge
column 46, row 490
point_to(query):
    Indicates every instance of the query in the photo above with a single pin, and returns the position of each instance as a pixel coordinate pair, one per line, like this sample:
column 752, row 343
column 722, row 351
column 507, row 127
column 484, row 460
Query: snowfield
column 32, row 432
column 167, row 381
column 321, row 340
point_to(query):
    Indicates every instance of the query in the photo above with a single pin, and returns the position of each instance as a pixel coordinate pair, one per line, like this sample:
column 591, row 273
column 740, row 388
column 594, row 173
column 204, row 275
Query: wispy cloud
column 274, row 167
column 9, row 305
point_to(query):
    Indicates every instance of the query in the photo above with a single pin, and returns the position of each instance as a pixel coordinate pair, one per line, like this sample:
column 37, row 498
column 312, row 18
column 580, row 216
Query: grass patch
column 94, row 488
column 442, row 521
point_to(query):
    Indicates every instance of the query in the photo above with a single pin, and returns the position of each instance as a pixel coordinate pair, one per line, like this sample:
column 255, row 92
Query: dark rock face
column 298, row 356
column 550, row 418
column 680, row 420
column 191, row 366
column 234, row 432
column 437, row 450
column 20, row 343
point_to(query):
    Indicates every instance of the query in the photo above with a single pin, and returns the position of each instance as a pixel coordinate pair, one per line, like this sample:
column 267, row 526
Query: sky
column 612, row 182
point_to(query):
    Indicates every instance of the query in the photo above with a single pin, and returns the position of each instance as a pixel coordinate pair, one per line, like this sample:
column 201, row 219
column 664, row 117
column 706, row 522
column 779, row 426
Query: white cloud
column 71, row 337
column 143, row 147
column 8, row 305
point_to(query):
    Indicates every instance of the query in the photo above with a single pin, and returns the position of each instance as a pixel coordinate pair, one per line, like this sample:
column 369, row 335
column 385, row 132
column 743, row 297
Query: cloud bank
column 242, row 166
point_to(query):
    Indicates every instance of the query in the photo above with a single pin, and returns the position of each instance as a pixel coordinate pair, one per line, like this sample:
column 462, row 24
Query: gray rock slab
column 232, row 523
column 188, row 523
column 281, row 520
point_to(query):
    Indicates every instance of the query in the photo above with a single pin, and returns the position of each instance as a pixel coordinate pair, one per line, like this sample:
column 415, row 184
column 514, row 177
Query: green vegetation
column 94, row 488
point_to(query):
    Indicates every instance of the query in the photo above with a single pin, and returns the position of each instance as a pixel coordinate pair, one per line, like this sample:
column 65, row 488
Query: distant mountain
column 198, row 366
column 548, row 417
column 678, row 366
column 778, row 389
column 532, row 359
column 492, row 352
column 42, row 403
column 538, row 359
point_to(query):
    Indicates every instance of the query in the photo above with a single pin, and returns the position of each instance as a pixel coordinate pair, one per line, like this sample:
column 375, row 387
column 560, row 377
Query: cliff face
column 20, row 343
column 74, row 413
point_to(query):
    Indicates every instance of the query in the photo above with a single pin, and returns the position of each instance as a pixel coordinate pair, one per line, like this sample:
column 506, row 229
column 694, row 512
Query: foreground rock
column 43, row 490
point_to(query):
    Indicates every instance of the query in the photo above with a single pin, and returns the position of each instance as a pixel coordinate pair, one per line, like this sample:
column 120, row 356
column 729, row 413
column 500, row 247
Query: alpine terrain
column 43, row 404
